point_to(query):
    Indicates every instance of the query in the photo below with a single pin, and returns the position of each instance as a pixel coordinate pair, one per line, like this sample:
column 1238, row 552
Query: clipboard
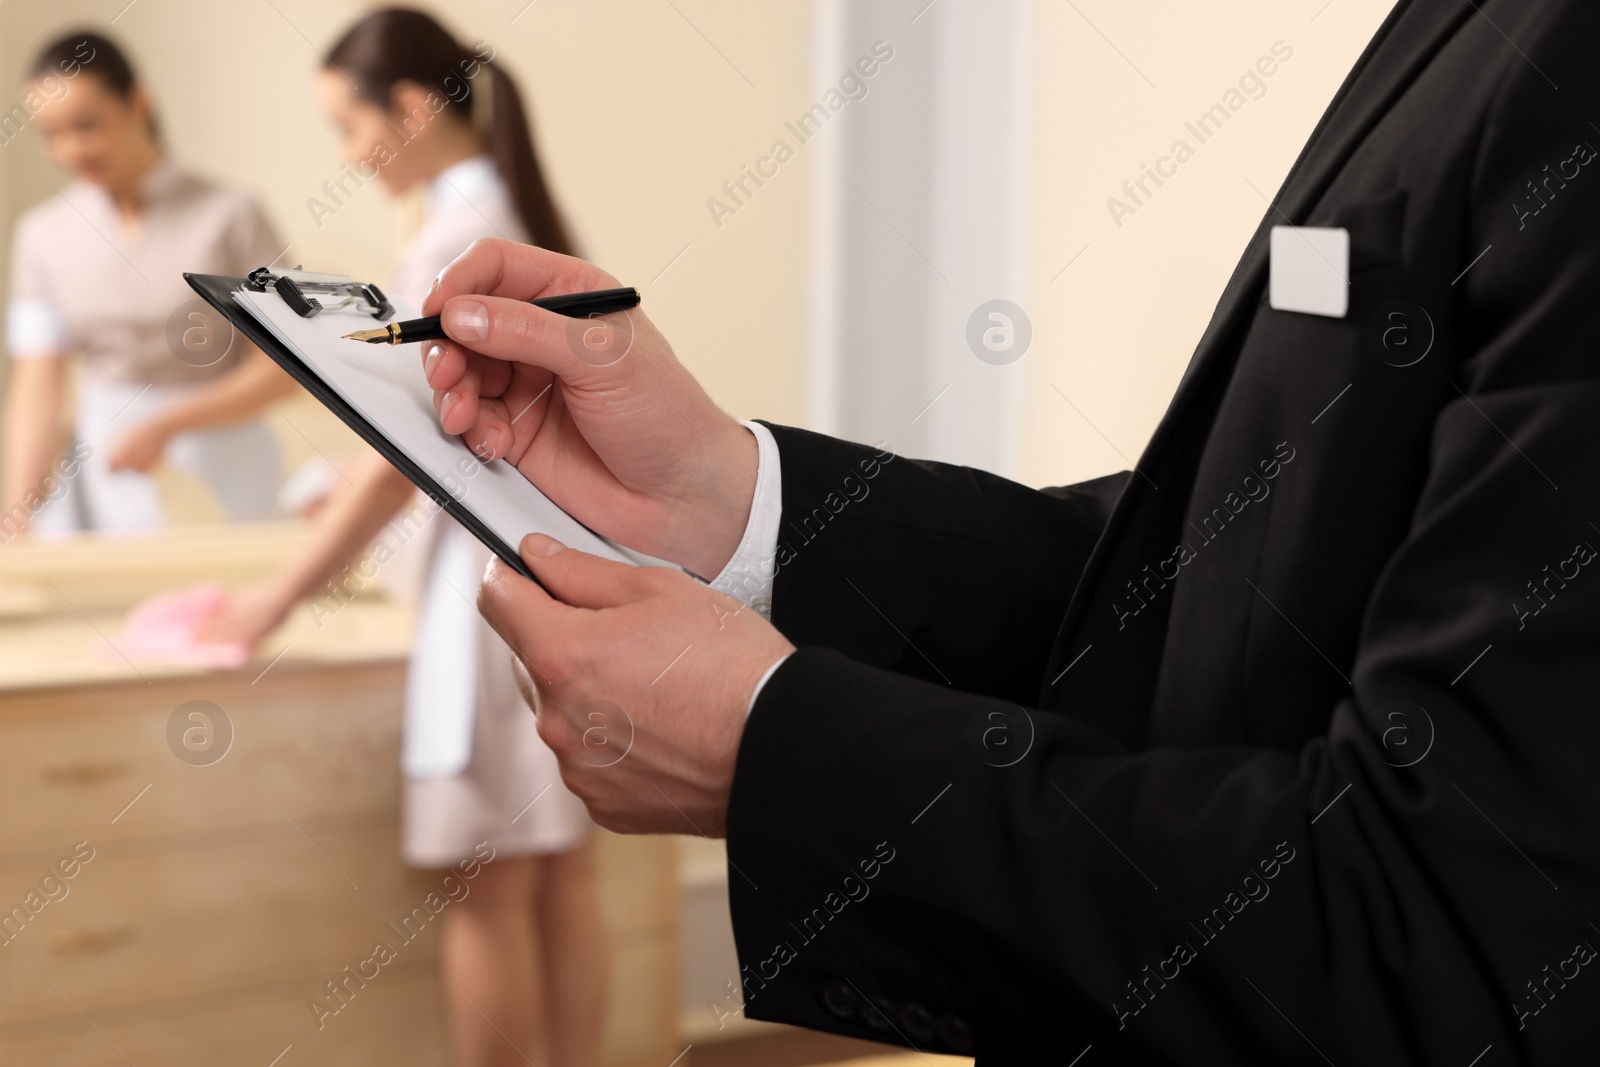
column 218, row 290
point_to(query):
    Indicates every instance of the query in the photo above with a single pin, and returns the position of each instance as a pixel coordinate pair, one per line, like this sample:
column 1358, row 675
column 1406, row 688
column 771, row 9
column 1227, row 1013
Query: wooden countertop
column 62, row 603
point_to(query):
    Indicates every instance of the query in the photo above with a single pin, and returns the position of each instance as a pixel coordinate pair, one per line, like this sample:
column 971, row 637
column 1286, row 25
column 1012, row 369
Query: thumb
column 481, row 298
column 578, row 578
column 496, row 267
column 509, row 330
column 519, row 611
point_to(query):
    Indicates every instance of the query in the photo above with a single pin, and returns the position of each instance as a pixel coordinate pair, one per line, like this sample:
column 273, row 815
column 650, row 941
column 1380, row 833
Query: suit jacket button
column 840, row 999
column 878, row 1013
column 955, row 1033
column 917, row 1022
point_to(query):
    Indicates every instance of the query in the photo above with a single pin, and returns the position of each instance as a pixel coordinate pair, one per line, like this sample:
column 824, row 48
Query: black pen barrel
column 598, row 302
column 573, row 305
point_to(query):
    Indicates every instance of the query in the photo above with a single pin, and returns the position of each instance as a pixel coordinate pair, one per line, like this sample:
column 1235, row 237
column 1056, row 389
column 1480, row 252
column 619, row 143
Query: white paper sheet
column 386, row 385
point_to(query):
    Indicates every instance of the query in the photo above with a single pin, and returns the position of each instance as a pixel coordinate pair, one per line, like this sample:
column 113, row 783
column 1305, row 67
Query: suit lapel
column 1407, row 41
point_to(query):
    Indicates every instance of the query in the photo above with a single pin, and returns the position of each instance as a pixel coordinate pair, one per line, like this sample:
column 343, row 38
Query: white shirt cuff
column 34, row 328
column 749, row 575
column 760, row 685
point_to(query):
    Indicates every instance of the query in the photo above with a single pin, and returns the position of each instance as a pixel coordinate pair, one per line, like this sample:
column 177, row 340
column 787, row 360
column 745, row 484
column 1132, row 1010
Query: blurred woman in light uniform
column 524, row 951
column 97, row 275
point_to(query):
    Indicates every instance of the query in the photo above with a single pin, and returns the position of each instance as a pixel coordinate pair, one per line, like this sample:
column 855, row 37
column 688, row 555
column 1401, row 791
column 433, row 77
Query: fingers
column 446, row 365
column 443, row 364
column 516, row 332
column 494, row 377
column 495, row 267
column 482, row 299
column 458, row 405
column 546, row 629
column 490, row 436
column 473, row 396
column 579, row 579
column 525, row 686
column 505, row 427
column 524, row 615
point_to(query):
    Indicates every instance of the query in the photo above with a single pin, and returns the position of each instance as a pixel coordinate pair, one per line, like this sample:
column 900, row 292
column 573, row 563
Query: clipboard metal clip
column 308, row 292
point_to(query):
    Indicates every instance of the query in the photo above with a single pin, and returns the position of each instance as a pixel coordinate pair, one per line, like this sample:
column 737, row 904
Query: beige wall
column 641, row 115
column 1115, row 332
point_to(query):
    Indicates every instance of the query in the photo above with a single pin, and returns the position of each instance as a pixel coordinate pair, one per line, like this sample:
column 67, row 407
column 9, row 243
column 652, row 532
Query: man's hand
column 598, row 413
column 642, row 680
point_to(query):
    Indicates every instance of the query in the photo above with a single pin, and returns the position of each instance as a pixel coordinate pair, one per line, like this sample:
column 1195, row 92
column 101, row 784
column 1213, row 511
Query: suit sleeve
column 928, row 569
column 1356, row 901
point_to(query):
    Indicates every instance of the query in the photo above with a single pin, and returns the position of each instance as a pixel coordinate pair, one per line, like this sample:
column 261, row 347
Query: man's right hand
column 598, row 413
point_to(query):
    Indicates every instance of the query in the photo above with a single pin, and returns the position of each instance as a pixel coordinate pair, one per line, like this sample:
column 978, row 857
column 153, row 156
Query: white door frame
column 920, row 201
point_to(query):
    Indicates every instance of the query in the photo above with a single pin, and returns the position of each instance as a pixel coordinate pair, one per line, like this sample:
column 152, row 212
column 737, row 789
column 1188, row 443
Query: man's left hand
column 640, row 678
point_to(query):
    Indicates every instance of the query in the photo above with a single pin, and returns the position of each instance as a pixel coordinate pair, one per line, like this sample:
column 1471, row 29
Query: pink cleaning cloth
column 164, row 628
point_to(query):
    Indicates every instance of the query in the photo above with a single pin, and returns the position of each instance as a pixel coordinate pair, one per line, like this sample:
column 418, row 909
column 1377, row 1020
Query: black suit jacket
column 1282, row 749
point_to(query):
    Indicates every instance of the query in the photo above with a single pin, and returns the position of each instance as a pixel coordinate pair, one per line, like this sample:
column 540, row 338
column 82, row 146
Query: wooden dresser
column 222, row 896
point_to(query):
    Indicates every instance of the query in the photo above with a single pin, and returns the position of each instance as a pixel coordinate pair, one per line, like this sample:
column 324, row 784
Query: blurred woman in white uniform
column 97, row 275
column 524, row 951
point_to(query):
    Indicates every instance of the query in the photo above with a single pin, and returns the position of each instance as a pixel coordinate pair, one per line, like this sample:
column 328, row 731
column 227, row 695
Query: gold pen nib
column 372, row 337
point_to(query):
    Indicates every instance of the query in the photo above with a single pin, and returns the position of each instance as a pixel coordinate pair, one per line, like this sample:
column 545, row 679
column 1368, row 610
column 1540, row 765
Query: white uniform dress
column 81, row 286
column 476, row 769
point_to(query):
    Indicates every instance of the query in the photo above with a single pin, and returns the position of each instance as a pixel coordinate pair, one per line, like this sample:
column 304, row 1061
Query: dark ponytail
column 511, row 144
column 74, row 53
column 398, row 44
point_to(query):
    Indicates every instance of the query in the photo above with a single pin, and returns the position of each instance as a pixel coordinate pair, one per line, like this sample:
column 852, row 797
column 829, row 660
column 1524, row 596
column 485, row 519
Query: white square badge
column 1310, row 270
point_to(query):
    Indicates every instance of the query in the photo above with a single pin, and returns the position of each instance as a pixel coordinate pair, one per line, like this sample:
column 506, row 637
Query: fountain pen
column 573, row 305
